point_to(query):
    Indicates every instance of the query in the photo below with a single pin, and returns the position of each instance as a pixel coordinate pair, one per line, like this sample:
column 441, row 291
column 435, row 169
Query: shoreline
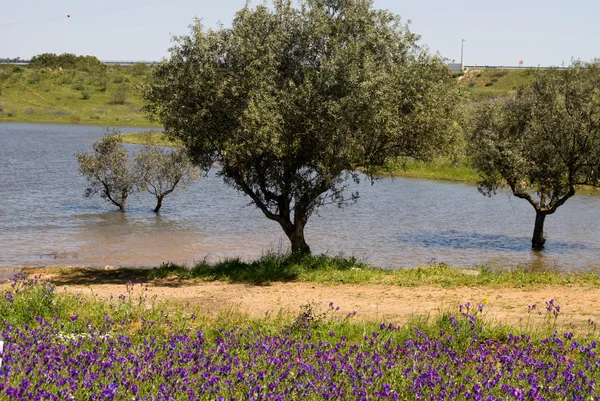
column 83, row 124
column 371, row 300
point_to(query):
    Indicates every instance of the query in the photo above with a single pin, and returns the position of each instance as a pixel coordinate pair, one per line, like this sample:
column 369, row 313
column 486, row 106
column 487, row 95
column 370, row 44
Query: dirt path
column 379, row 302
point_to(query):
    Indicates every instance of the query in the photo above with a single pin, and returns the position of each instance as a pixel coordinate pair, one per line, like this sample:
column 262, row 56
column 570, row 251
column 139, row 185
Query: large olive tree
column 543, row 142
column 291, row 101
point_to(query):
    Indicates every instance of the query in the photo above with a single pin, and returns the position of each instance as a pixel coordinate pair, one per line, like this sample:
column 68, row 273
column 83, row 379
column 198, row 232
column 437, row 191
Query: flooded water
column 46, row 221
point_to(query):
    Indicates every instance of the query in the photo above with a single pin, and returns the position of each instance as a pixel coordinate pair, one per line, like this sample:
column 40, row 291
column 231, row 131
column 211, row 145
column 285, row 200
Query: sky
column 539, row 32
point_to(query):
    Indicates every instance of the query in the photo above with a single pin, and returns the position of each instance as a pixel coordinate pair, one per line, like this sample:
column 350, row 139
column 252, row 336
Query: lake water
column 46, row 221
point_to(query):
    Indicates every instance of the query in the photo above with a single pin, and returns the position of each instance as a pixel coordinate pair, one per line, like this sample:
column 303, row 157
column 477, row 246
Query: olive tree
column 543, row 142
column 109, row 170
column 291, row 101
column 161, row 171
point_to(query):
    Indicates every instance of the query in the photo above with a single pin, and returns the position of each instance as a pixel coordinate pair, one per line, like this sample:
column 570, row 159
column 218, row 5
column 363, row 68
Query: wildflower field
column 60, row 346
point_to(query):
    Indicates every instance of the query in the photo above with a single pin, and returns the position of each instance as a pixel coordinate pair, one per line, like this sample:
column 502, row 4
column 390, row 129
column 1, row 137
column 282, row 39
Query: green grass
column 152, row 137
column 45, row 300
column 274, row 267
column 439, row 169
column 70, row 96
column 109, row 97
column 493, row 83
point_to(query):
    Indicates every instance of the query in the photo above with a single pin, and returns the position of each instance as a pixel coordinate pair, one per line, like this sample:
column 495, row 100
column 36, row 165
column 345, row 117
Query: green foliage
column 109, row 170
column 277, row 267
column 442, row 168
column 34, row 78
column 155, row 138
column 140, row 69
column 291, row 102
column 67, row 61
column 493, row 83
column 56, row 97
column 270, row 267
column 28, row 299
column 119, row 96
column 543, row 142
column 161, row 171
column 102, row 83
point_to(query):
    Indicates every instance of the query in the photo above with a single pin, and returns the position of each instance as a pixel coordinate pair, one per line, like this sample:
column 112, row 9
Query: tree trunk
column 159, row 201
column 299, row 244
column 538, row 240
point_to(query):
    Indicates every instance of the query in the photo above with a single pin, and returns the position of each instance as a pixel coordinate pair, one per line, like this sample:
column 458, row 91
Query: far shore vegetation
column 108, row 96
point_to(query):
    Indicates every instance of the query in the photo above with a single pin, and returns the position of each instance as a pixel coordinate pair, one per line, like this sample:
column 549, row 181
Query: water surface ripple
column 46, row 220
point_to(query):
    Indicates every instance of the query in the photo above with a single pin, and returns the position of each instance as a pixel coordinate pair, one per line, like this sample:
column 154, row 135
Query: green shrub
column 119, row 96
column 85, row 95
column 139, row 69
column 66, row 79
column 79, row 86
column 102, row 83
column 34, row 78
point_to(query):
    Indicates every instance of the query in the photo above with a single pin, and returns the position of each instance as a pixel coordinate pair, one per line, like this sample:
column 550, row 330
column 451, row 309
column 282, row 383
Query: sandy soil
column 371, row 302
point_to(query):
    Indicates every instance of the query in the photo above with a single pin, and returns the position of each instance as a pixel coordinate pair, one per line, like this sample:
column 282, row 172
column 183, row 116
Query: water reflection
column 45, row 219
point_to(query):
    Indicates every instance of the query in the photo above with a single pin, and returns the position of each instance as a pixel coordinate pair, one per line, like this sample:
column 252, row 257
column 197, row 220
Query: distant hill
column 492, row 83
column 104, row 96
column 108, row 95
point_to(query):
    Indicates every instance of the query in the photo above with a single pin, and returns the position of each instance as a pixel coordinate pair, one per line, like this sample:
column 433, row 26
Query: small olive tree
column 543, row 142
column 109, row 170
column 292, row 101
column 161, row 171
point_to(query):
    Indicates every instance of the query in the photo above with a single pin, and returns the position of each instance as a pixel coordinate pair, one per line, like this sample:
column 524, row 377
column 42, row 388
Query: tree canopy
column 292, row 101
column 543, row 142
column 67, row 61
column 109, row 170
column 161, row 171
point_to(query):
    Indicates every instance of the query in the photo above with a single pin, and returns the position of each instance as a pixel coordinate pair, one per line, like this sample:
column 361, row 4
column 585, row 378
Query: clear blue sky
column 544, row 32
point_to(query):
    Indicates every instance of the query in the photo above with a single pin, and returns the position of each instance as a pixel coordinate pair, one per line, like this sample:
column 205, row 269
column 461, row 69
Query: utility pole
column 462, row 53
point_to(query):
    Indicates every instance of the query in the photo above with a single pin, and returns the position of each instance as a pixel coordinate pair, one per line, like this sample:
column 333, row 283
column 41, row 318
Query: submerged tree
column 108, row 170
column 161, row 171
column 291, row 101
column 543, row 142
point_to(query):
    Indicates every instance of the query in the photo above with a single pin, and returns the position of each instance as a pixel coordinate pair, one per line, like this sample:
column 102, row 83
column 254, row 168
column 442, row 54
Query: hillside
column 104, row 97
column 491, row 83
column 110, row 96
